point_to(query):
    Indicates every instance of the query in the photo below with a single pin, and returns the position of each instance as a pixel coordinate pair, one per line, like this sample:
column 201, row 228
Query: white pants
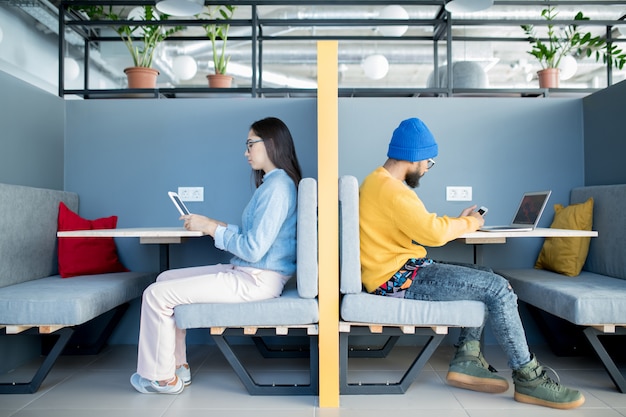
column 161, row 343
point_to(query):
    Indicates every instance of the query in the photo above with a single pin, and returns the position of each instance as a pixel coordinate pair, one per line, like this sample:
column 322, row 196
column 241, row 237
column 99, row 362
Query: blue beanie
column 412, row 141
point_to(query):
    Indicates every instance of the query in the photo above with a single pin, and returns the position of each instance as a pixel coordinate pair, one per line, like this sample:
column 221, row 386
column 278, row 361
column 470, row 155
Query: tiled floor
column 94, row 386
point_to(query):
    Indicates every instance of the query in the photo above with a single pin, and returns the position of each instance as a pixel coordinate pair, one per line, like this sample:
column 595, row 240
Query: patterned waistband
column 401, row 280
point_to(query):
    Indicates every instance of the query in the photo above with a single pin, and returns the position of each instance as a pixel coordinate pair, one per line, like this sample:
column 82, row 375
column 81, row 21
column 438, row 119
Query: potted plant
column 141, row 41
column 563, row 41
column 219, row 31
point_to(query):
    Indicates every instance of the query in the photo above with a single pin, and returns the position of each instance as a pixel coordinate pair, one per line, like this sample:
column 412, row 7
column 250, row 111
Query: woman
column 264, row 259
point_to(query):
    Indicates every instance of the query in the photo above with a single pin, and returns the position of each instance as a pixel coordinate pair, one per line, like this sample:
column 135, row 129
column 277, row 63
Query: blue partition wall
column 501, row 147
column 123, row 156
column 31, row 153
column 605, row 141
column 31, row 142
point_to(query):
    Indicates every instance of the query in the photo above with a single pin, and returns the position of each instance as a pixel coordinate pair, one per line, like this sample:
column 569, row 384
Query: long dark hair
column 279, row 146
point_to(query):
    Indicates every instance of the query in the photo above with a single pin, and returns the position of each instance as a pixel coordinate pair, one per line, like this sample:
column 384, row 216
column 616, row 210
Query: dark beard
column 412, row 179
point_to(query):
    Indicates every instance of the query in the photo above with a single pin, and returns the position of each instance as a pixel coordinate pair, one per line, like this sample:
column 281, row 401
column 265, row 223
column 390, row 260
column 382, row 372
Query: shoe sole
column 491, row 386
column 182, row 387
column 523, row 398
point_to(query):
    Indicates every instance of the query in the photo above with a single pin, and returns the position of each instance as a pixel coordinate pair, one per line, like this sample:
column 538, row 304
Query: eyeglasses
column 250, row 143
column 430, row 162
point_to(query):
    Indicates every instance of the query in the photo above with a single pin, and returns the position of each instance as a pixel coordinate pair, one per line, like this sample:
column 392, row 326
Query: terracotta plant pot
column 548, row 78
column 219, row 80
column 141, row 77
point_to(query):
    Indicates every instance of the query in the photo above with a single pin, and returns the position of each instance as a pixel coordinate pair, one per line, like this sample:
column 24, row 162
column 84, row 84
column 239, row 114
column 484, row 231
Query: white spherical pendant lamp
column 185, row 67
column 393, row 12
column 468, row 6
column 180, row 7
column 375, row 66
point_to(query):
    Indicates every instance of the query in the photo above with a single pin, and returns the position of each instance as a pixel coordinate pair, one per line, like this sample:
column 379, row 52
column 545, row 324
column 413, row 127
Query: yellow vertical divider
column 328, row 221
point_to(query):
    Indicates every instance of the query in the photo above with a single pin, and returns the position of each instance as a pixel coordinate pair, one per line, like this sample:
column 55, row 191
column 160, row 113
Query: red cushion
column 86, row 255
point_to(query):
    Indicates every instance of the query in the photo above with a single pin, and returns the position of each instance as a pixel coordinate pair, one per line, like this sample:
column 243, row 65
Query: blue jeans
column 448, row 282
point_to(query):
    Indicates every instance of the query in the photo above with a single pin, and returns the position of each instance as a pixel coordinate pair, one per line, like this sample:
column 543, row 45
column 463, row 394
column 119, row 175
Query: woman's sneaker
column 184, row 373
column 470, row 370
column 533, row 386
column 145, row 386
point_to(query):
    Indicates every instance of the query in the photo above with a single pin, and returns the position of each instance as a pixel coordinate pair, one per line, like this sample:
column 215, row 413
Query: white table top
column 176, row 234
column 500, row 237
column 145, row 234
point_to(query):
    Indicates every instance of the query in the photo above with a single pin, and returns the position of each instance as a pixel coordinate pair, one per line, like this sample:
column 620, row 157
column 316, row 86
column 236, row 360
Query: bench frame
column 219, row 335
column 435, row 336
column 63, row 345
column 355, row 323
column 592, row 333
column 33, row 385
column 304, row 321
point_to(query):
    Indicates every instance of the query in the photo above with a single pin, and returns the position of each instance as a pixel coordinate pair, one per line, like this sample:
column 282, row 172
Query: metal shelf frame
column 442, row 33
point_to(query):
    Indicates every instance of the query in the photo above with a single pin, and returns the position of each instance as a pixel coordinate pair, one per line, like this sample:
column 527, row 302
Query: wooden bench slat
column 217, row 330
column 15, row 329
column 311, row 329
column 49, row 329
column 344, row 327
column 606, row 328
column 440, row 329
column 43, row 328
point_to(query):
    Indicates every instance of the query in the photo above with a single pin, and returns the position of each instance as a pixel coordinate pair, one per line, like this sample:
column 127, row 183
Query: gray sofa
column 33, row 297
column 294, row 313
column 595, row 300
column 366, row 314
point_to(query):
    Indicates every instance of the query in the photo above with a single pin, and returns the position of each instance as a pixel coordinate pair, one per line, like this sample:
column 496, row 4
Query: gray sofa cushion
column 288, row 309
column 69, row 301
column 349, row 250
column 607, row 252
column 307, row 238
column 598, row 294
column 29, row 225
column 359, row 306
column 368, row 308
column 585, row 300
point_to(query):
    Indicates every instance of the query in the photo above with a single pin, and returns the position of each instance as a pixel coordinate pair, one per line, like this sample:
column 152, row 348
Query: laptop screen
column 530, row 208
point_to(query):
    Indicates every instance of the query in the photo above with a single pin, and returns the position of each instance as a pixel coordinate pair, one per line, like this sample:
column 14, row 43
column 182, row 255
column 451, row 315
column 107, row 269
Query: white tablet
column 178, row 203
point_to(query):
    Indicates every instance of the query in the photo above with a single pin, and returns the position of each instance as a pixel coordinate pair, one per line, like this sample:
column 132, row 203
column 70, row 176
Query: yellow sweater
column 395, row 226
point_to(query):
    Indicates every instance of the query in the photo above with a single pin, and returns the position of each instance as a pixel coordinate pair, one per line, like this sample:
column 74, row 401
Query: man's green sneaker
column 470, row 370
column 532, row 386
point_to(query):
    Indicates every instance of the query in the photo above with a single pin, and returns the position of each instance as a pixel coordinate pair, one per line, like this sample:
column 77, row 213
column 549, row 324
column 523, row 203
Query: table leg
column 164, row 257
column 478, row 254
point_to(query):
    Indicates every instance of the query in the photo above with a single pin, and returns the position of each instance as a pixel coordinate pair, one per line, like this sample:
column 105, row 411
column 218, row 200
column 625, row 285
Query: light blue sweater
column 267, row 239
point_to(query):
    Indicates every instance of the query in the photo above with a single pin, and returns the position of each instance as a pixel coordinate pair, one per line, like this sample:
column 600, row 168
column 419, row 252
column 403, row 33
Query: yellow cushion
column 567, row 255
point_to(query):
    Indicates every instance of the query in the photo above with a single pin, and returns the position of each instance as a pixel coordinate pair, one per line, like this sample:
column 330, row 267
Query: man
column 394, row 228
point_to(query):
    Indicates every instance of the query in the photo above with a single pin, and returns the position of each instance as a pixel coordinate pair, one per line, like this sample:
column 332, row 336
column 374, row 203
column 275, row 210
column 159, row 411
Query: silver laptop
column 527, row 215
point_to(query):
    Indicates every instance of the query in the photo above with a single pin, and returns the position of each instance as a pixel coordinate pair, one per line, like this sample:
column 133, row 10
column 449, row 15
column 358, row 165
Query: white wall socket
column 458, row 193
column 191, row 193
